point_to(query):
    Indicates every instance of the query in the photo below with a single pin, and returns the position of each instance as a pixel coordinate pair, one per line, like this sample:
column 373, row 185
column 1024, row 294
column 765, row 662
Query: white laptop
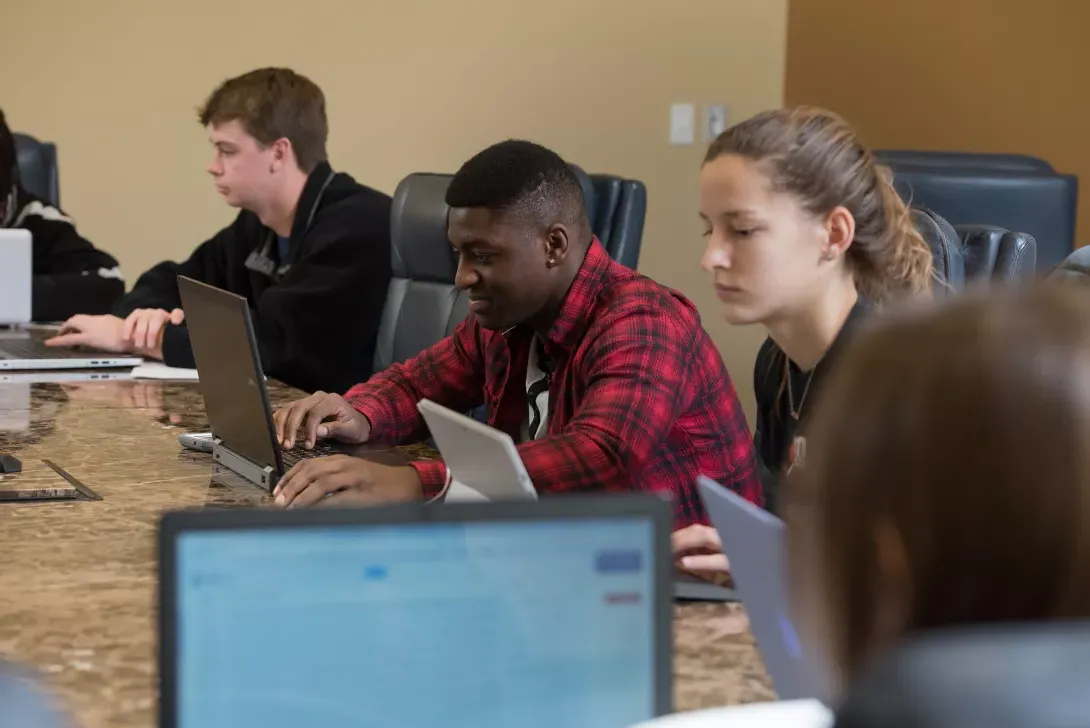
column 16, row 274
column 483, row 462
column 25, row 350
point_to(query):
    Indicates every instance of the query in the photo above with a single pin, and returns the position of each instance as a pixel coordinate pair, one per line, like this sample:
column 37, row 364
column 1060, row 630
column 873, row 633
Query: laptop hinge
column 263, row 476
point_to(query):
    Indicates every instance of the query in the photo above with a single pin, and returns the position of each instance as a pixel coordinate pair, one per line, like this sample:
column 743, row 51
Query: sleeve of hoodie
column 70, row 274
column 158, row 286
column 316, row 327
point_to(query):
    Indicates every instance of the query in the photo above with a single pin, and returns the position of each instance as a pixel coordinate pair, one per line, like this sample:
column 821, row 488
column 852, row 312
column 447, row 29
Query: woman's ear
column 839, row 231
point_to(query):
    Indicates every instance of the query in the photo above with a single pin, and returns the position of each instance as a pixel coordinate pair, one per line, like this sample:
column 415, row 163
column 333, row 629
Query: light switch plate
column 715, row 121
column 682, row 124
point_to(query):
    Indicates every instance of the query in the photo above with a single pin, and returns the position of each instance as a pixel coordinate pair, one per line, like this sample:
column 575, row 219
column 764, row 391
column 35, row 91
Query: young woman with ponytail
column 806, row 236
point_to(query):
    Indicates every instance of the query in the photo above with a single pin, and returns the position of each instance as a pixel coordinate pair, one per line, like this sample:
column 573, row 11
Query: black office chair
column 962, row 160
column 36, row 162
column 1001, row 676
column 975, row 254
column 422, row 306
column 617, row 208
column 1074, row 269
column 1011, row 191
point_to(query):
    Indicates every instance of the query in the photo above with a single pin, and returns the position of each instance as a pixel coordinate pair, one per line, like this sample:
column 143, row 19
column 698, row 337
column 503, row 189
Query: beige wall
column 591, row 78
column 974, row 75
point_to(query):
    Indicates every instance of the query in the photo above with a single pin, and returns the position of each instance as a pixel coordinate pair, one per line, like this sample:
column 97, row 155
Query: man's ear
column 557, row 245
column 282, row 152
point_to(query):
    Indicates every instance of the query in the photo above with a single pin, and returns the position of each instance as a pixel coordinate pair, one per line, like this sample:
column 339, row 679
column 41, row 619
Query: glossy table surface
column 77, row 585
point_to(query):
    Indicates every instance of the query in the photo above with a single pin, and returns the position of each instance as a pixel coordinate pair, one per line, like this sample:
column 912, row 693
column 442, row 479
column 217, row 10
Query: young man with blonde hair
column 310, row 248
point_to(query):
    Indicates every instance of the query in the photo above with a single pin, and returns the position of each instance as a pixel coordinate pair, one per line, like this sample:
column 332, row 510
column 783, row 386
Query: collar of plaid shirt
column 640, row 399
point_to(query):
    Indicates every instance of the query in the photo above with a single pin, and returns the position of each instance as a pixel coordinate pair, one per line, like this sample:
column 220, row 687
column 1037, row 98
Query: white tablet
column 483, row 462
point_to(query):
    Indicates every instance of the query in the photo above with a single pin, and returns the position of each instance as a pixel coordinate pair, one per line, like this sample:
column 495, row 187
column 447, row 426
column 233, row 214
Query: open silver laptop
column 483, row 462
column 24, row 350
column 753, row 540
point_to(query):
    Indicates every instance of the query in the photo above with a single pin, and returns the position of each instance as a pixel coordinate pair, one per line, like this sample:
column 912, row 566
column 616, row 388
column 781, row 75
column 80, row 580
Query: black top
column 776, row 428
column 316, row 314
column 70, row 274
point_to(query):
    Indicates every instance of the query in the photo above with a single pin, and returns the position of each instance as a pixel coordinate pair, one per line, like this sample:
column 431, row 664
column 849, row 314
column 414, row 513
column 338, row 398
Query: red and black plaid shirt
column 639, row 397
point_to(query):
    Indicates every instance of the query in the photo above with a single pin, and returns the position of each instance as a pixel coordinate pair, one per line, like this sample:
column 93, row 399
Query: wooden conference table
column 77, row 581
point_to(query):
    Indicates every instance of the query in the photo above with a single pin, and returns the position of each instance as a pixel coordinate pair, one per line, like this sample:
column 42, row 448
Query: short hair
column 7, row 158
column 274, row 103
column 521, row 178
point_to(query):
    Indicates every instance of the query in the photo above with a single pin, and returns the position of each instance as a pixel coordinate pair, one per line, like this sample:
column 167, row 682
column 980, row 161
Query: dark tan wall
column 974, row 75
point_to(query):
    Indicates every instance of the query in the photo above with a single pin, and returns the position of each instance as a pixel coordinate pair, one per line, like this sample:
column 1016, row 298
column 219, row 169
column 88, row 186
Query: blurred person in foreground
column 947, row 480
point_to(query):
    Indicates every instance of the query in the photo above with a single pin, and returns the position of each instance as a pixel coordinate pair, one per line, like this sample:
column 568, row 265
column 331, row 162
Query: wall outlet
column 682, row 124
column 715, row 121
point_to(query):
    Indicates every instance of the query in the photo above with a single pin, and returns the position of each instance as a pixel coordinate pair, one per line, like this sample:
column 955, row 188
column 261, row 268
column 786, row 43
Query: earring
column 827, row 256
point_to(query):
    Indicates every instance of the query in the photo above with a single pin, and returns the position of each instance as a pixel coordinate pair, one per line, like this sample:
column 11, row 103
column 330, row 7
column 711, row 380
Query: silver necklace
column 795, row 413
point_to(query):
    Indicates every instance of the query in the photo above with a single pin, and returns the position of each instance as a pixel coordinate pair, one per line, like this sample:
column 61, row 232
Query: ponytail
column 907, row 268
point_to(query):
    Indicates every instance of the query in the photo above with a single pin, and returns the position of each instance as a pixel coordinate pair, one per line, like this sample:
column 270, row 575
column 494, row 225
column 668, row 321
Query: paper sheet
column 159, row 370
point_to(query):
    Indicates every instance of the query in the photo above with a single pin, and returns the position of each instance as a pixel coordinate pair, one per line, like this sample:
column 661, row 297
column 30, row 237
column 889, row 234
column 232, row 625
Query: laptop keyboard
column 33, row 349
column 293, row 456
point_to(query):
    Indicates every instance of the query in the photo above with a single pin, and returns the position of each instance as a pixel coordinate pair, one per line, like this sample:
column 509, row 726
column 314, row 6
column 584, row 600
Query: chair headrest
column 953, row 161
column 590, row 195
column 1076, row 267
column 418, row 230
column 36, row 162
column 947, row 254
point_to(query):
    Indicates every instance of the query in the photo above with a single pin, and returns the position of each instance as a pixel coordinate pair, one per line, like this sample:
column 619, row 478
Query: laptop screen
column 528, row 623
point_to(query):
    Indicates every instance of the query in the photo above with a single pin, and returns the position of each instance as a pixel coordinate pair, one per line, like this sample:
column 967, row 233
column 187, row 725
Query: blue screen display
column 539, row 623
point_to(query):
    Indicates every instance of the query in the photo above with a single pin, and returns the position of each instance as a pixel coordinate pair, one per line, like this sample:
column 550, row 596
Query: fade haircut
column 524, row 179
column 270, row 104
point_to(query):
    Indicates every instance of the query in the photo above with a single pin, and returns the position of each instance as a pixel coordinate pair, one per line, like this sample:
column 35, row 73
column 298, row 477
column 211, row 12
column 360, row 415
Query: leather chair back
column 975, row 254
column 1008, row 191
column 37, row 165
column 422, row 306
column 1074, row 269
column 960, row 160
column 617, row 208
column 1003, row 676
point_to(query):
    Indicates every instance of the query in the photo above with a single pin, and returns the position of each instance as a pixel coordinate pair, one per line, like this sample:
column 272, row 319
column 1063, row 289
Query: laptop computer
column 26, row 350
column 16, row 275
column 232, row 382
column 487, row 614
column 753, row 540
column 483, row 462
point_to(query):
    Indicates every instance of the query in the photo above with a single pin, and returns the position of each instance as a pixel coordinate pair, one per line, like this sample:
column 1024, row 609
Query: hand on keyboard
column 320, row 416
column 344, row 480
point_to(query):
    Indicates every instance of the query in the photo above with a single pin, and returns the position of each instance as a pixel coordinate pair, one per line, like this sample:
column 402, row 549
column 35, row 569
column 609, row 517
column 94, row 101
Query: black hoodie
column 316, row 314
column 70, row 275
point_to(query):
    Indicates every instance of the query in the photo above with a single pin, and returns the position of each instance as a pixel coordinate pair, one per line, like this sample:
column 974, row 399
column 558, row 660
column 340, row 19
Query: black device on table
column 10, row 464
